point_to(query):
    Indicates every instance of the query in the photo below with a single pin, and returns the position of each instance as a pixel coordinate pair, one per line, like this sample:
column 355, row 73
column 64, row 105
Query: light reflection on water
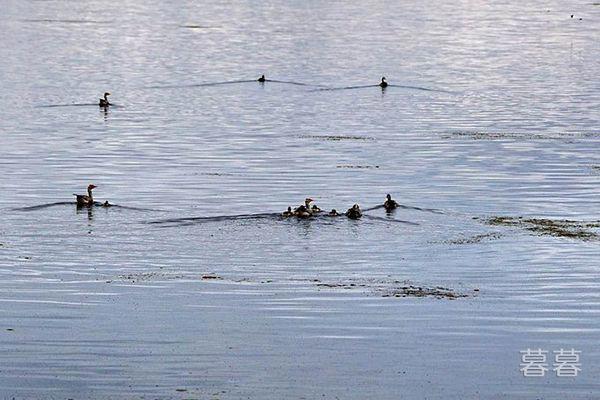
column 99, row 300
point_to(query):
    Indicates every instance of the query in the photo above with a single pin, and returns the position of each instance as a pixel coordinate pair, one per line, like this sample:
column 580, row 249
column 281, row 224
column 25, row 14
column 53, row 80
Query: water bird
column 389, row 203
column 333, row 213
column 104, row 102
column 287, row 213
column 314, row 209
column 302, row 212
column 354, row 212
column 306, row 205
column 262, row 78
column 86, row 200
column 383, row 83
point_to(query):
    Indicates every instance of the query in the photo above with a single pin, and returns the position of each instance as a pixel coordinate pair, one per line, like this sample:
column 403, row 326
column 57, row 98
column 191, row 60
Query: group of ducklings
column 307, row 210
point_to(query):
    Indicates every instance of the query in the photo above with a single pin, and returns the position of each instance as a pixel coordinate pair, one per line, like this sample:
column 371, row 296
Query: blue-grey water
column 492, row 110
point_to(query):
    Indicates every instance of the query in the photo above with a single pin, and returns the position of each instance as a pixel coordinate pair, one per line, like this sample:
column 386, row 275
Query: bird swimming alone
column 262, row 78
column 354, row 212
column 85, row 200
column 104, row 102
column 389, row 203
column 383, row 83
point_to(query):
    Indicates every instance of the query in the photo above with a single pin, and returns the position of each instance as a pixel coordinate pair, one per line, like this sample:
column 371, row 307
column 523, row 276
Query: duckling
column 383, row 83
column 314, row 209
column 389, row 204
column 106, row 204
column 262, row 78
column 354, row 212
column 333, row 213
column 287, row 213
column 104, row 102
column 85, row 200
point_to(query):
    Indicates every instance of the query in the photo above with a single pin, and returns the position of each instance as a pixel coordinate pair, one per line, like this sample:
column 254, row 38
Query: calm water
column 492, row 111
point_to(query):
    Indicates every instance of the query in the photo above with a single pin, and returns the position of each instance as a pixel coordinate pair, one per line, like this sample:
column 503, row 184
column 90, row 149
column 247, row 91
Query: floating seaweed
column 548, row 227
column 476, row 238
column 358, row 166
column 336, row 137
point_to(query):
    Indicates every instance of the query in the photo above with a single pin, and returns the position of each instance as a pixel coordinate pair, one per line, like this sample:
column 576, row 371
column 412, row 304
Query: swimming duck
column 333, row 213
column 104, row 102
column 383, row 83
column 302, row 212
column 389, row 204
column 287, row 213
column 354, row 212
column 314, row 209
column 306, row 205
column 262, row 79
column 85, row 200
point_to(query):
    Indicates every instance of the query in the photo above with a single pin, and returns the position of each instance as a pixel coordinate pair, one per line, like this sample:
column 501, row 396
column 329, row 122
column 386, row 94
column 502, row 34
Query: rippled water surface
column 487, row 136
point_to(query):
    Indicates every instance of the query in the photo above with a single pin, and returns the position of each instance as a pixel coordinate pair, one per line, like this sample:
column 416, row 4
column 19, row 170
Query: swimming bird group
column 104, row 103
column 307, row 210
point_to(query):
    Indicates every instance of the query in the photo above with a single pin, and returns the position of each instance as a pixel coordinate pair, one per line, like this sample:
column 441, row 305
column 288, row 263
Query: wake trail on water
column 72, row 203
column 79, row 105
column 426, row 89
column 208, row 84
column 431, row 210
column 184, row 221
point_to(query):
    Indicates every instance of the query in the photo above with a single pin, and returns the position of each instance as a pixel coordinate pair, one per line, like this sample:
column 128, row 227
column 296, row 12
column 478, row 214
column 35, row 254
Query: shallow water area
column 192, row 285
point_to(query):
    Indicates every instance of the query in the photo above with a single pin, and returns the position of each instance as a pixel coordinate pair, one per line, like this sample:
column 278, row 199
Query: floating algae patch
column 395, row 288
column 438, row 292
column 336, row 137
column 482, row 135
column 548, row 227
column 478, row 135
column 358, row 166
column 149, row 276
column 476, row 239
column 366, row 286
column 211, row 276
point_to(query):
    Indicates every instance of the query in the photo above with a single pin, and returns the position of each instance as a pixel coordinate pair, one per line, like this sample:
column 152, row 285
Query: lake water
column 492, row 111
